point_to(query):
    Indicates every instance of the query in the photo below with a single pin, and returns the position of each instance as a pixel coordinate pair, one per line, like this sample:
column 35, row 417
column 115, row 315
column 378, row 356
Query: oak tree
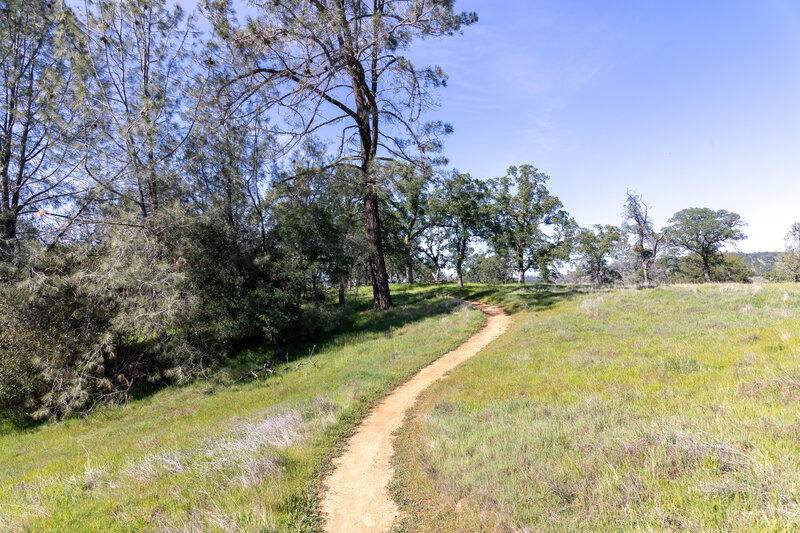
column 463, row 206
column 530, row 221
column 595, row 247
column 647, row 242
column 703, row 232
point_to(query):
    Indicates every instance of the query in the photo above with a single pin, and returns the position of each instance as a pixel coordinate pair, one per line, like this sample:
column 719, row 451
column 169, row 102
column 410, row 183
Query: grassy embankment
column 217, row 455
column 672, row 408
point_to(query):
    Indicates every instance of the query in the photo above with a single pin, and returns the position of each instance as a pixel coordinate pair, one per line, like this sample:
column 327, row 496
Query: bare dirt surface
column 357, row 499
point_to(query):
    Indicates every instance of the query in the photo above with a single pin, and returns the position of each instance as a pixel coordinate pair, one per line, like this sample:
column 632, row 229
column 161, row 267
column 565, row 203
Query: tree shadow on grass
column 18, row 424
column 413, row 303
column 355, row 318
column 516, row 298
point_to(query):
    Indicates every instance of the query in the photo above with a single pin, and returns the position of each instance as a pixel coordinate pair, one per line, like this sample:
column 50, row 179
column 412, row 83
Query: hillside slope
column 762, row 262
column 219, row 455
column 670, row 408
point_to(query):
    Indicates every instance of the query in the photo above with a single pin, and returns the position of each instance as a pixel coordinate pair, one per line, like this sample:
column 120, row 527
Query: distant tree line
column 523, row 232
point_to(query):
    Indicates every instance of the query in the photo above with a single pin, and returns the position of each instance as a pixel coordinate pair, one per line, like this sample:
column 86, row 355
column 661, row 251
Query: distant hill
column 762, row 262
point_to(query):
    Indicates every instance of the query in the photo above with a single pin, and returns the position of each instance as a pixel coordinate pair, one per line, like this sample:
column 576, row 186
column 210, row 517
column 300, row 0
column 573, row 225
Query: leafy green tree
column 703, row 232
column 433, row 248
column 787, row 267
column 338, row 64
column 482, row 268
column 37, row 159
column 529, row 221
column 557, row 248
column 463, row 206
column 137, row 76
column 647, row 242
column 595, row 248
column 312, row 217
column 406, row 197
column 726, row 267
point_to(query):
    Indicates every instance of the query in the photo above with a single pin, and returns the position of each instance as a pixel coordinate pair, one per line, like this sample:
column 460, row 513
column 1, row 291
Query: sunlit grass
column 671, row 408
column 220, row 455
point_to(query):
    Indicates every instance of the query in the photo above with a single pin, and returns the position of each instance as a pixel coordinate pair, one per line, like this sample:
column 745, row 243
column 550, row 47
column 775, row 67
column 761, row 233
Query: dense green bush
column 787, row 267
column 728, row 267
column 482, row 268
column 53, row 346
column 160, row 302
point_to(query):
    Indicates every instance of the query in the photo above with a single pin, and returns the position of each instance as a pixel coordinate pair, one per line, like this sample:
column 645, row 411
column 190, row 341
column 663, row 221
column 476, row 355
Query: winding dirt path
column 357, row 499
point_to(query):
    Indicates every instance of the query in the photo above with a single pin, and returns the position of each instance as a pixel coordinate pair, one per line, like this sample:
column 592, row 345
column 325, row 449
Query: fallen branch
column 266, row 368
column 310, row 360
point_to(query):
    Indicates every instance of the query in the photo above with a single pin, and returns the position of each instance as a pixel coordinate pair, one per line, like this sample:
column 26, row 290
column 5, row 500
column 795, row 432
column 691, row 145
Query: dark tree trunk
column 462, row 253
column 8, row 216
column 8, row 233
column 521, row 276
column 409, row 265
column 341, row 293
column 377, row 265
column 706, row 269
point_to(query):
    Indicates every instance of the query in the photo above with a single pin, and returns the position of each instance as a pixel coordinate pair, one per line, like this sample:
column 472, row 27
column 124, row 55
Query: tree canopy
column 337, row 66
column 638, row 225
column 595, row 247
column 531, row 225
column 703, row 232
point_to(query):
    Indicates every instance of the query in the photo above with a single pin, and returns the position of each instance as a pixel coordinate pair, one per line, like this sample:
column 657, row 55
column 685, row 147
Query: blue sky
column 689, row 103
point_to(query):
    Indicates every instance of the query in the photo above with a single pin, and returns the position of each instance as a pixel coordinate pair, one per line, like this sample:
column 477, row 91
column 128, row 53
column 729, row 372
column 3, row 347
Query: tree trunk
column 341, row 293
column 645, row 268
column 519, row 257
column 377, row 265
column 706, row 269
column 8, row 215
column 8, row 233
column 462, row 253
column 409, row 266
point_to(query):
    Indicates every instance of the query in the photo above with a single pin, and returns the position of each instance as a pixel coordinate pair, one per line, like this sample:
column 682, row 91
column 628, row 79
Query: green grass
column 217, row 455
column 675, row 408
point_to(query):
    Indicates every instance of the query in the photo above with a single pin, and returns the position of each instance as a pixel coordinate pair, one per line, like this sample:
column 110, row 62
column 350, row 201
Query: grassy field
column 217, row 455
column 674, row 408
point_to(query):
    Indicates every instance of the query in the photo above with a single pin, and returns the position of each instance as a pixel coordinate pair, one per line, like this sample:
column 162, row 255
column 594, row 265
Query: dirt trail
column 357, row 499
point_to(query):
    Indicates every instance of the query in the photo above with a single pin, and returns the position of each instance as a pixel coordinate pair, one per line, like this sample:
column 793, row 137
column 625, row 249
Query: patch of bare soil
column 357, row 499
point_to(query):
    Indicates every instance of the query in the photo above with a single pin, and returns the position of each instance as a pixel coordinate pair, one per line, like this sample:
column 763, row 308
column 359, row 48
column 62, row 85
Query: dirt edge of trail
column 356, row 498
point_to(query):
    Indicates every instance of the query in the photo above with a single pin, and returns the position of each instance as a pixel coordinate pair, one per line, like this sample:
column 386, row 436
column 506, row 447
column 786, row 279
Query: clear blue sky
column 689, row 103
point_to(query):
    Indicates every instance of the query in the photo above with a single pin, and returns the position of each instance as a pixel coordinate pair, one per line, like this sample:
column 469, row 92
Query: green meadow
column 222, row 455
column 673, row 408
